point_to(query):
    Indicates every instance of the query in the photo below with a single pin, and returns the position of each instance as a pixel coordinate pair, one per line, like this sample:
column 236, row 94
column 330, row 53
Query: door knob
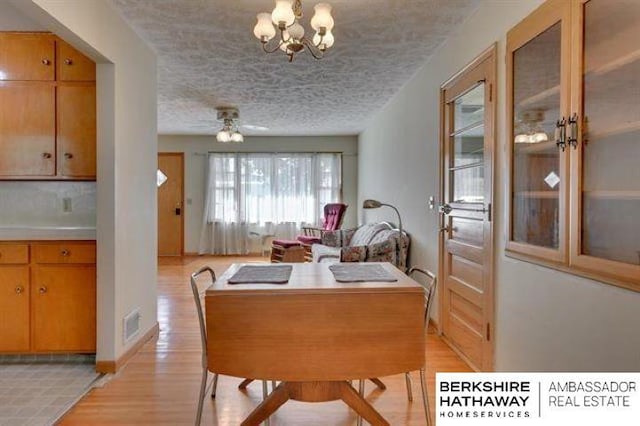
column 446, row 209
column 19, row 289
column 68, row 155
column 42, row 290
column 46, row 62
column 68, row 61
column 65, row 252
column 46, row 155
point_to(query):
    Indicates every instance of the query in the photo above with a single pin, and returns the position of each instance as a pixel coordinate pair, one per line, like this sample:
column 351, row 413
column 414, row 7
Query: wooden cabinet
column 68, row 294
column 76, row 106
column 27, row 56
column 27, row 129
column 575, row 132
column 47, row 122
column 14, row 308
column 47, row 297
column 73, row 65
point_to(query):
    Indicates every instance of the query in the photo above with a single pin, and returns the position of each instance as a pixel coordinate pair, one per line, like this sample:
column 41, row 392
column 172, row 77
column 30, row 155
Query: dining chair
column 429, row 290
column 203, row 338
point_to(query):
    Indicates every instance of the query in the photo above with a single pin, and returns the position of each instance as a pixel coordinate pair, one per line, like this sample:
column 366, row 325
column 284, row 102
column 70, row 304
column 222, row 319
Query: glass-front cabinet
column 573, row 72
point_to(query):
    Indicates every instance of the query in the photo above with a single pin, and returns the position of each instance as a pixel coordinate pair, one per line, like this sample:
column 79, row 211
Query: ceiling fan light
column 539, row 137
column 283, row 12
column 223, row 136
column 264, row 29
column 237, row 137
column 322, row 17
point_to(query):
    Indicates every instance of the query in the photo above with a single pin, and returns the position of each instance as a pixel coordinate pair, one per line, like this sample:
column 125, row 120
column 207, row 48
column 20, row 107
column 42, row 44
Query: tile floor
column 39, row 392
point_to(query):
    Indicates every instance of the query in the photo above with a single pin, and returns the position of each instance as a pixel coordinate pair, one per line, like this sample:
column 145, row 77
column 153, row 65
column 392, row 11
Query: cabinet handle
column 19, row 289
column 65, row 252
column 46, row 155
column 561, row 134
column 42, row 290
column 572, row 140
column 68, row 155
column 68, row 61
column 46, row 62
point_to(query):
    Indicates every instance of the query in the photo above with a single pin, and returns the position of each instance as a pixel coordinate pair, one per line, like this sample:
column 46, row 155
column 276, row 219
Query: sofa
column 374, row 242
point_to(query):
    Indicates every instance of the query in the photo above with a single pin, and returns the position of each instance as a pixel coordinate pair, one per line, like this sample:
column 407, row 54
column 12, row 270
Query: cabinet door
column 68, row 294
column 538, row 98
column 25, row 56
column 73, row 65
column 27, row 129
column 605, row 203
column 14, row 308
column 77, row 130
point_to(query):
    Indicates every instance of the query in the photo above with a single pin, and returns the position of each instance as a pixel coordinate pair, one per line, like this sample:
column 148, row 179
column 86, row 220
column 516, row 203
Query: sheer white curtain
column 271, row 194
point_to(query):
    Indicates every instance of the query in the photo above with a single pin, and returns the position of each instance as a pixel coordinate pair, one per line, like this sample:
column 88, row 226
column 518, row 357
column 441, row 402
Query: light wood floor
column 160, row 384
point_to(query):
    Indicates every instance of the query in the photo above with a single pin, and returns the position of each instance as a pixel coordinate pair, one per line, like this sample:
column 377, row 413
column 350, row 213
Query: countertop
column 47, row 233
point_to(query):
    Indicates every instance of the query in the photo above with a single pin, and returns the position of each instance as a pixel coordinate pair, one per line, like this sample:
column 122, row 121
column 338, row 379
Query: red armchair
column 333, row 216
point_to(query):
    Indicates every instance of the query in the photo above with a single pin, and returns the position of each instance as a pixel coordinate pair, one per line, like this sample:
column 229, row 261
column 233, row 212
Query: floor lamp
column 375, row 204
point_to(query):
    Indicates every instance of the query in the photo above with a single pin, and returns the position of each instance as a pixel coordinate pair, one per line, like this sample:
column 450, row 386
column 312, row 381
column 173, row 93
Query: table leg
column 245, row 383
column 314, row 392
column 263, row 411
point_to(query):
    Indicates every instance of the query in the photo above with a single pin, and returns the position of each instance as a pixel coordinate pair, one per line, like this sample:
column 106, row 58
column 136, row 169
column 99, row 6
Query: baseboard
column 112, row 367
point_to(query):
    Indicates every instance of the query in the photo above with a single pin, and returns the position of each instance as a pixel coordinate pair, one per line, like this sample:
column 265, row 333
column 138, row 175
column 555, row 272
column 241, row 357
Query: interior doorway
column 170, row 204
column 468, row 104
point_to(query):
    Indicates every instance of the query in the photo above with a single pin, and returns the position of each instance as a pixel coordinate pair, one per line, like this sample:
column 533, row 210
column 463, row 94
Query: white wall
column 196, row 147
column 12, row 19
column 127, row 151
column 545, row 320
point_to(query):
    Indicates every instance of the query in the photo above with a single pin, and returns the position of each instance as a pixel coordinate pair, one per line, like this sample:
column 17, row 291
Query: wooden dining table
column 314, row 335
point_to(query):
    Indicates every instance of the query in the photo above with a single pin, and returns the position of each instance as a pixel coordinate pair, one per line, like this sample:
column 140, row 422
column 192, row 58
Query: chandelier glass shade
column 283, row 25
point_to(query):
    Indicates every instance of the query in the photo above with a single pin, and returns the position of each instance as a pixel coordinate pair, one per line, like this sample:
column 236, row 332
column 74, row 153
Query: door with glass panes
column 466, row 254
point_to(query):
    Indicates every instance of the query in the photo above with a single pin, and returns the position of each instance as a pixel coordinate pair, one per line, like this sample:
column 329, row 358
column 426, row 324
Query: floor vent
column 131, row 325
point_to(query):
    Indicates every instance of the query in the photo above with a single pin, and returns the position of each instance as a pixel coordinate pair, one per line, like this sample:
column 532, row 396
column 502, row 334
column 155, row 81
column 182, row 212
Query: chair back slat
column 198, row 303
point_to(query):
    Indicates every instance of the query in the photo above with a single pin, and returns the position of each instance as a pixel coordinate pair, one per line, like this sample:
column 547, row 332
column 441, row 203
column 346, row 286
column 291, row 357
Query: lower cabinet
column 14, row 308
column 68, row 295
column 48, row 302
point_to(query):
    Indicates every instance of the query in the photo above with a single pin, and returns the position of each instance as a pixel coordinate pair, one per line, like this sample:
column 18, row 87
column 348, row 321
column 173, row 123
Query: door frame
column 181, row 156
column 463, row 76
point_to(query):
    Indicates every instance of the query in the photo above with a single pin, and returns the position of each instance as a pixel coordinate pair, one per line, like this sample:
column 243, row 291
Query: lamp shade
column 223, row 136
column 322, row 17
column 371, row 204
column 283, row 12
column 324, row 42
column 296, row 31
column 264, row 29
column 237, row 137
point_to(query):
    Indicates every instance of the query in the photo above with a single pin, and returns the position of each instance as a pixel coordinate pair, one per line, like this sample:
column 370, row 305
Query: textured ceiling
column 208, row 57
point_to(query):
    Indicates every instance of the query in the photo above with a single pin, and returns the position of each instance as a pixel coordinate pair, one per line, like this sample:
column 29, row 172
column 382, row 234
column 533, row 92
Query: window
column 264, row 188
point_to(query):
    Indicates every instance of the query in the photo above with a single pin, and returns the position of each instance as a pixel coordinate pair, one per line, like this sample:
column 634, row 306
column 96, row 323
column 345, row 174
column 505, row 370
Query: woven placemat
column 263, row 274
column 359, row 272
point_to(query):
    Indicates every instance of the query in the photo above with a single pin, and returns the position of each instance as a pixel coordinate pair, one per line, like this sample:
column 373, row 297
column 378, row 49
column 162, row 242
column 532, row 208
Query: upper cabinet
column 27, row 56
column 573, row 72
column 73, row 65
column 47, row 109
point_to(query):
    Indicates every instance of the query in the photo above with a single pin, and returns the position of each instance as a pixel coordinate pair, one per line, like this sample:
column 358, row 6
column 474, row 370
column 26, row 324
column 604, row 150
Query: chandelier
column 286, row 16
column 229, row 131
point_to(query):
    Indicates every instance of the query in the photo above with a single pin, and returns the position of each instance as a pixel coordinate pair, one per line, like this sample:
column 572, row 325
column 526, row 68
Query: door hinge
column 488, row 332
column 489, row 215
column 491, row 92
